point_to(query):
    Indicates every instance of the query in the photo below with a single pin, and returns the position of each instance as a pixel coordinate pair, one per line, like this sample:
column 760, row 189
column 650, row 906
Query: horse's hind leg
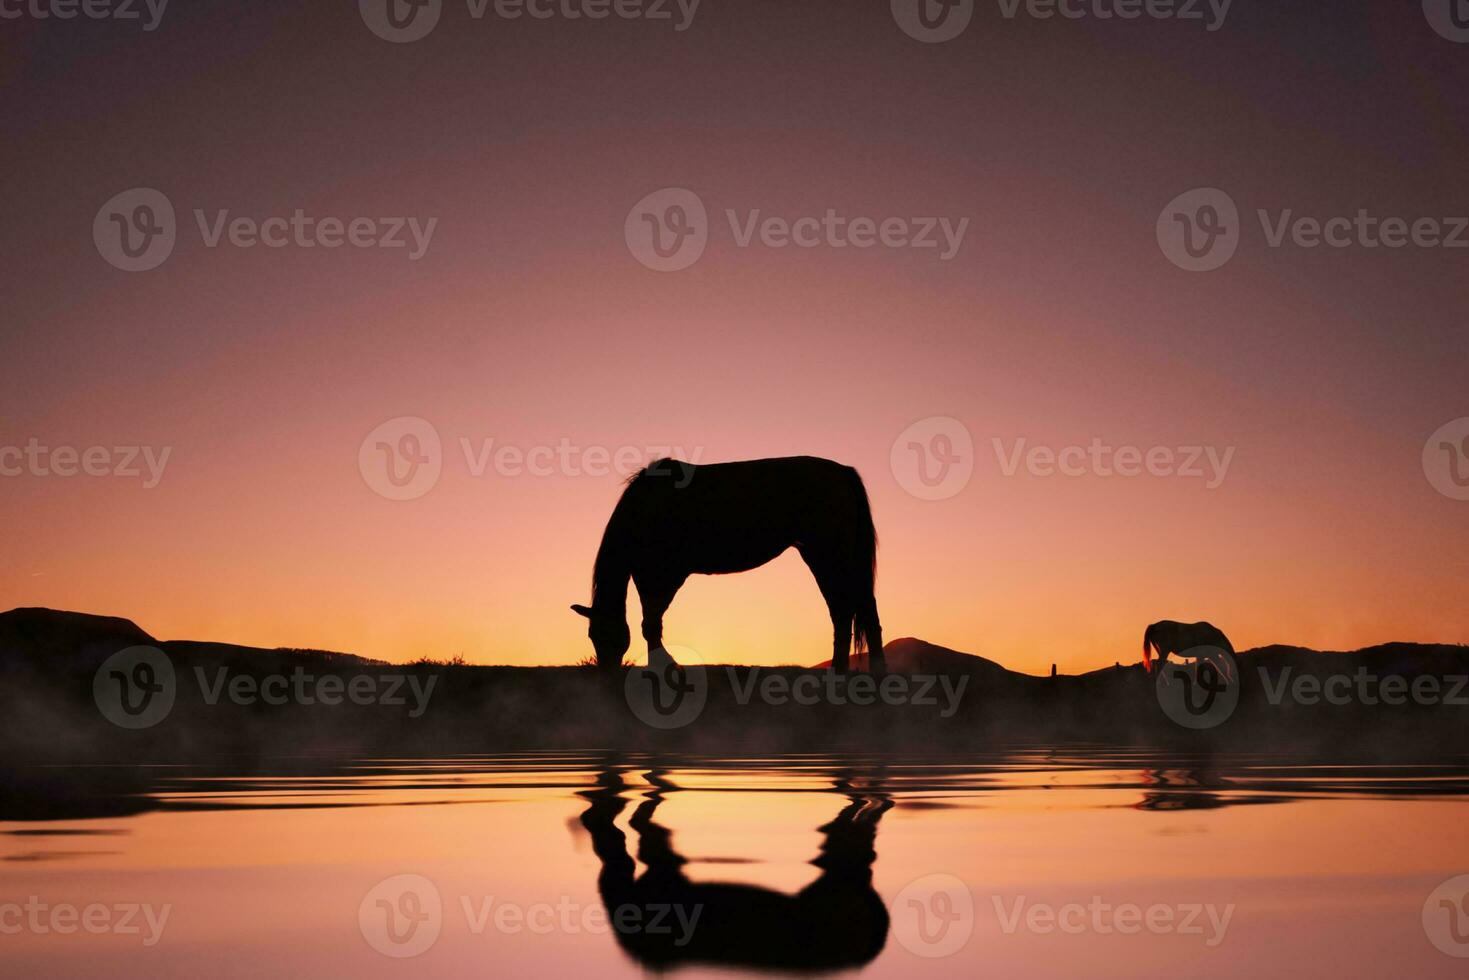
column 871, row 628
column 838, row 603
column 841, row 639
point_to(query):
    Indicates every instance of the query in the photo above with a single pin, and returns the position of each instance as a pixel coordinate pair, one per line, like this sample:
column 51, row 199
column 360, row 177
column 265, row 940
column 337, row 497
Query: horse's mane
column 609, row 571
column 659, row 467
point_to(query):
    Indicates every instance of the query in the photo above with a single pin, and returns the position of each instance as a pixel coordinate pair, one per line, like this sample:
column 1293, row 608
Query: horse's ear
column 581, row 610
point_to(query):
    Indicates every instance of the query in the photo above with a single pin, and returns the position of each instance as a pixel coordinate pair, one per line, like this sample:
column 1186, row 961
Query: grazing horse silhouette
column 1166, row 637
column 676, row 519
column 836, row 922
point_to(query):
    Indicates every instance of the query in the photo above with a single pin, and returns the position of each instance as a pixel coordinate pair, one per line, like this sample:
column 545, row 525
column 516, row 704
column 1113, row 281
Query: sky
column 1313, row 384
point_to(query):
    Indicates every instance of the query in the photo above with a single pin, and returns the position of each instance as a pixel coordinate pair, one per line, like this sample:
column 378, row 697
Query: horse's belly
column 730, row 556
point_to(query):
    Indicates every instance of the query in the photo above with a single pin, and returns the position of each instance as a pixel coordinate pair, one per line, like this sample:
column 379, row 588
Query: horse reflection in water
column 838, row 921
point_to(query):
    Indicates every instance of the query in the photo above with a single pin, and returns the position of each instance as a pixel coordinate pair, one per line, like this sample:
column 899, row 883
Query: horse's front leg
column 656, row 598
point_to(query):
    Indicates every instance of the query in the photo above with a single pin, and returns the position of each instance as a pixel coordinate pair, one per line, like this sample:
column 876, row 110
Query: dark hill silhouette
column 909, row 655
column 36, row 635
column 41, row 633
column 49, row 661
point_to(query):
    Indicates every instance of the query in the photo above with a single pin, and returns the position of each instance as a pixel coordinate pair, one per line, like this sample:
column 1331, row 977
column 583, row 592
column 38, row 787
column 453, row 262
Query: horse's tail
column 1148, row 649
column 866, row 627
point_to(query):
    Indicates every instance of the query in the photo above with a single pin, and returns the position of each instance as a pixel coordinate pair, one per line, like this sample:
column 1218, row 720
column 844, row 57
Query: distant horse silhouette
column 676, row 519
column 836, row 922
column 1166, row 638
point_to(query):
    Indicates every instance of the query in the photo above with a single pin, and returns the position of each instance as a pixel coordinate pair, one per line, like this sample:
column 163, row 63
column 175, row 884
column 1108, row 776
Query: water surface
column 1030, row 863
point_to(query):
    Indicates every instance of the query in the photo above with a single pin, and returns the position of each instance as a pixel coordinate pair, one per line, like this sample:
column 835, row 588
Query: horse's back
column 725, row 517
column 771, row 483
column 776, row 468
column 1213, row 634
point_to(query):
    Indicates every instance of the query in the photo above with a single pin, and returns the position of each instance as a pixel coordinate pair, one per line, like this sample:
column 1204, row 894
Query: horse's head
column 608, row 632
column 1160, row 639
